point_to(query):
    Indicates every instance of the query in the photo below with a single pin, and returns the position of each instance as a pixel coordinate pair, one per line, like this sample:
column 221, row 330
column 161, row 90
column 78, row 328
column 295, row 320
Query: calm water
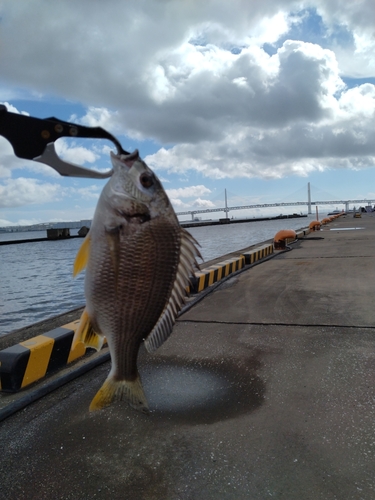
column 36, row 277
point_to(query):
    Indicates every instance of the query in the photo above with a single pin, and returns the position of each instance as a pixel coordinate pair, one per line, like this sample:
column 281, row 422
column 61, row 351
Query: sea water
column 37, row 281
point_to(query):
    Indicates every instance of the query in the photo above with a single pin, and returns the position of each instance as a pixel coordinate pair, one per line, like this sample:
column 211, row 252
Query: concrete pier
column 266, row 389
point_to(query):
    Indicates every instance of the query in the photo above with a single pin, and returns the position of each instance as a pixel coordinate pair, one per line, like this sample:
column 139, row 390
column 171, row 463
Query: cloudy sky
column 258, row 98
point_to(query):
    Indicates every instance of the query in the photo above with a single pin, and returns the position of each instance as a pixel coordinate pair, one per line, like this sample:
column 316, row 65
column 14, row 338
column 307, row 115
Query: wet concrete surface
column 266, row 389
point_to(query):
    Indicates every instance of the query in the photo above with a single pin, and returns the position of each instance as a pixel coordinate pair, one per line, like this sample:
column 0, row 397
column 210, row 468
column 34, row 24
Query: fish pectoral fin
column 82, row 255
column 85, row 333
column 120, row 390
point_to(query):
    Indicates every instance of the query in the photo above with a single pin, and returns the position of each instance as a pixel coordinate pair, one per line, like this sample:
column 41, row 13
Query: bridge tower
column 308, row 199
column 226, row 205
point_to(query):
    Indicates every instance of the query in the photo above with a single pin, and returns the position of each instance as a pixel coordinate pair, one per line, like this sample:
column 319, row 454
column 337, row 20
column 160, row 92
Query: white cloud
column 358, row 103
column 179, row 204
column 188, row 192
column 73, row 153
column 21, row 191
column 98, row 117
column 5, row 222
column 203, row 203
column 28, row 222
column 86, row 193
column 13, row 109
column 10, row 162
column 7, row 158
column 303, row 120
column 102, row 150
column 202, row 85
column 357, row 58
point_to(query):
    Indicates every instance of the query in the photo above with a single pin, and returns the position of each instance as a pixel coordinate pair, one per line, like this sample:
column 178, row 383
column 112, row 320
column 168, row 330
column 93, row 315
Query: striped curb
column 31, row 360
column 210, row 275
column 258, row 253
column 206, row 277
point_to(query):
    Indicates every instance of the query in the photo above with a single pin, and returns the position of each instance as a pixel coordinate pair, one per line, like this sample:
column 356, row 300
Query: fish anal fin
column 77, row 351
column 82, row 256
column 120, row 390
column 85, row 333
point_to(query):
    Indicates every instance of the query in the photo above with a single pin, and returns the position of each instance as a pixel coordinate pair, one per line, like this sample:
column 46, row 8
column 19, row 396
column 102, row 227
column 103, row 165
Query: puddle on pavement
column 202, row 391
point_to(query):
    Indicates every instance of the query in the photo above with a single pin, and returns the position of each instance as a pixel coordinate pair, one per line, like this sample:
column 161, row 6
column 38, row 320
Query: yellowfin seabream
column 138, row 260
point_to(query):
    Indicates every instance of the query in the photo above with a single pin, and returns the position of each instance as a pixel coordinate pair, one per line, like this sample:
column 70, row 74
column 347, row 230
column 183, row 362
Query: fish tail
column 120, row 390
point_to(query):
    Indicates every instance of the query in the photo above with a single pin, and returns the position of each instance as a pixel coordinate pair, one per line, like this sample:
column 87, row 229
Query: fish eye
column 146, row 180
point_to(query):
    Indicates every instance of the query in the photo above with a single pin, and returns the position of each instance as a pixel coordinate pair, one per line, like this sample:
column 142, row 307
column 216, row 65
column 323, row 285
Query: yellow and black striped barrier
column 258, row 253
column 209, row 275
column 31, row 360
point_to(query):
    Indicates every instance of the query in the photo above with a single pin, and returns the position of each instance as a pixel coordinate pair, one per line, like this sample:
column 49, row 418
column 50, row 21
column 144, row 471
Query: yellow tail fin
column 121, row 390
column 86, row 334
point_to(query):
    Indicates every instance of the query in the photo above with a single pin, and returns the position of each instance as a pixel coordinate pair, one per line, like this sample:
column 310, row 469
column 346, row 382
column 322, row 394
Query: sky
column 256, row 98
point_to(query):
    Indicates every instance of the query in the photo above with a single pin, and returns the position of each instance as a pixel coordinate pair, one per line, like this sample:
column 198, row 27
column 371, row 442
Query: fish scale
column 141, row 309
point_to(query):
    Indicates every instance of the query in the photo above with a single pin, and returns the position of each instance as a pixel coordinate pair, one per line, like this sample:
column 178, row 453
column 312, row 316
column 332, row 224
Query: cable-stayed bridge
column 307, row 203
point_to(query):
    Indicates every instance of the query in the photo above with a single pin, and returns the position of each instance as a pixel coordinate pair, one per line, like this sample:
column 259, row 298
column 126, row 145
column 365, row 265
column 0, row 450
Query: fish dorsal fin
column 186, row 267
column 82, row 256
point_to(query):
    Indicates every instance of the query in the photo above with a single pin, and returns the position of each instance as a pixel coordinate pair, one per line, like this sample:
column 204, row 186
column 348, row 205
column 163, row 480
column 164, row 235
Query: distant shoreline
column 184, row 224
column 237, row 221
column 33, row 240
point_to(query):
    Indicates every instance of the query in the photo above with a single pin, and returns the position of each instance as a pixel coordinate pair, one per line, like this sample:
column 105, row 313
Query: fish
column 138, row 261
